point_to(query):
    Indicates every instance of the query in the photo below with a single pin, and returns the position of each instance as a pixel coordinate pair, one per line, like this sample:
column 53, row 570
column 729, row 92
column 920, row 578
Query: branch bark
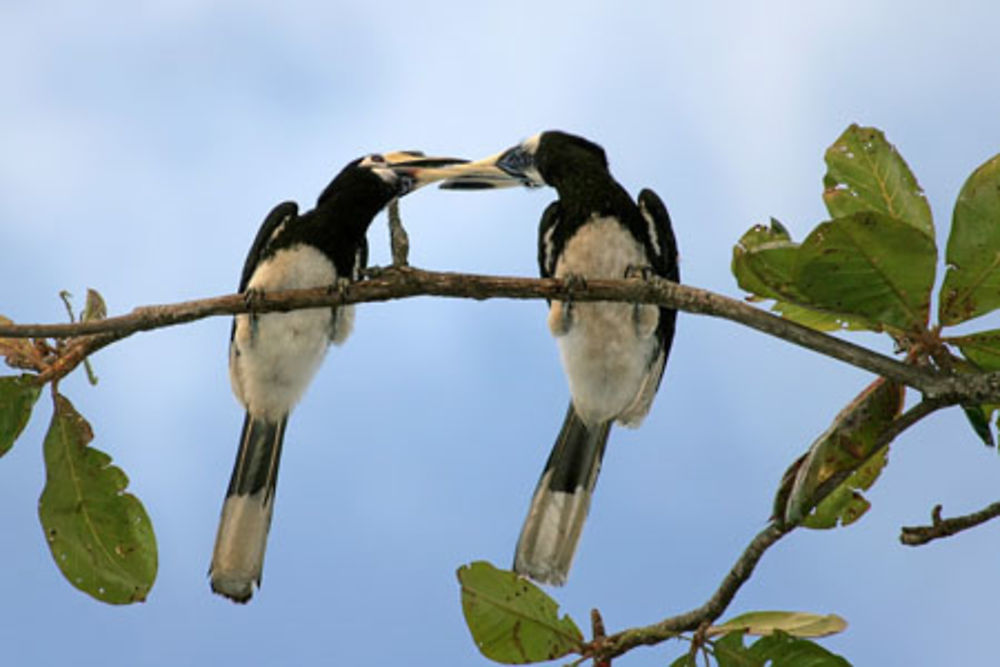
column 914, row 536
column 622, row 642
column 742, row 569
column 404, row 282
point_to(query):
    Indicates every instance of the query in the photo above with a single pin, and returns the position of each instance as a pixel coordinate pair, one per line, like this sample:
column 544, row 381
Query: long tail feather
column 246, row 513
column 561, row 501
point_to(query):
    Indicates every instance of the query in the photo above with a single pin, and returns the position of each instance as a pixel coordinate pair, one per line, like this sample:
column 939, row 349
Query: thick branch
column 917, row 535
column 403, row 282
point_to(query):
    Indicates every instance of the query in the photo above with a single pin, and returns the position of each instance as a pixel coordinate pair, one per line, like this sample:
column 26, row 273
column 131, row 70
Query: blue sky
column 143, row 143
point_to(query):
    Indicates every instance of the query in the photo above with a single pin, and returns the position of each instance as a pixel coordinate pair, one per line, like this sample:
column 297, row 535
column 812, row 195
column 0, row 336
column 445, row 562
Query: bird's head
column 536, row 161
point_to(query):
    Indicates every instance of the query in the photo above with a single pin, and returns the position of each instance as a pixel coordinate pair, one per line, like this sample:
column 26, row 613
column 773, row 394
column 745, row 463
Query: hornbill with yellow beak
column 613, row 353
column 273, row 356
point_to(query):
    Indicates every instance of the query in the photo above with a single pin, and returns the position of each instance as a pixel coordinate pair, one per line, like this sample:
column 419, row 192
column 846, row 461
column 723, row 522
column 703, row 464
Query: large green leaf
column 512, row 620
column 764, row 263
column 100, row 536
column 729, row 651
column 18, row 394
column 981, row 348
column 844, row 460
column 795, row 623
column 783, row 650
column 972, row 285
column 866, row 173
column 871, row 265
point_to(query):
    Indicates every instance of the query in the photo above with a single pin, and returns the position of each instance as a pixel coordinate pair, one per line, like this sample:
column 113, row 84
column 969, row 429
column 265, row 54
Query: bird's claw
column 645, row 317
column 640, row 271
column 339, row 287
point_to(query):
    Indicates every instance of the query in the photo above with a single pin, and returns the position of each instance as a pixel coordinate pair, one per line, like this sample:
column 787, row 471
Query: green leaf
column 512, row 620
column 979, row 418
column 18, row 394
column 100, row 536
column 686, row 660
column 870, row 265
column 730, row 652
column 794, row 623
column 982, row 349
column 844, row 460
column 972, row 285
column 764, row 262
column 786, row 651
column 866, row 173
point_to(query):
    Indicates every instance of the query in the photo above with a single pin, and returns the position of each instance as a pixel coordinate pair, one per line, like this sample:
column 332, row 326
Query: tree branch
column 622, row 642
column 625, row 641
column 404, row 282
column 917, row 535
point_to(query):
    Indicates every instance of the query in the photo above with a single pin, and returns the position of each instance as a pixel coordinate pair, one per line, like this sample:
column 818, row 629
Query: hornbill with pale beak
column 273, row 356
column 613, row 353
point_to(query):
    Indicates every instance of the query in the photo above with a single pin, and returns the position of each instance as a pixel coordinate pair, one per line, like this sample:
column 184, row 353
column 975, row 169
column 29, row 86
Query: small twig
column 915, row 536
column 597, row 627
column 698, row 640
column 399, row 240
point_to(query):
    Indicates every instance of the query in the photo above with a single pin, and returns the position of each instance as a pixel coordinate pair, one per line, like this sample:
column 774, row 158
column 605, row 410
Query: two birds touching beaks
column 613, row 353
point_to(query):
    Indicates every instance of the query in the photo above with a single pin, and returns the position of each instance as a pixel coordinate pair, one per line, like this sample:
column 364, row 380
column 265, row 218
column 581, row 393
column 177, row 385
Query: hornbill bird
column 613, row 353
column 273, row 356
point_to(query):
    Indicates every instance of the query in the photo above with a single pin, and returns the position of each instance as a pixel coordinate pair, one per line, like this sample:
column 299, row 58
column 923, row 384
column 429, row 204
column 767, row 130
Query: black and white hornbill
column 273, row 356
column 613, row 353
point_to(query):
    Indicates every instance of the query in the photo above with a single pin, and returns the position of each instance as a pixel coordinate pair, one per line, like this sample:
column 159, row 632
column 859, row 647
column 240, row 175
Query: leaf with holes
column 764, row 263
column 512, row 620
column 100, row 536
column 972, row 285
column 844, row 460
column 871, row 265
column 866, row 173
column 18, row 394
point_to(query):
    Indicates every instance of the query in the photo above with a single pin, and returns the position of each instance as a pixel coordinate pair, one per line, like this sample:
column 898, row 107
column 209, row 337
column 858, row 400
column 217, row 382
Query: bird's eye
column 376, row 158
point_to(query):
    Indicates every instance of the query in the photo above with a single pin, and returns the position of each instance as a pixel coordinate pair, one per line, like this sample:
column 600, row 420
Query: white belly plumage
column 606, row 348
column 273, row 356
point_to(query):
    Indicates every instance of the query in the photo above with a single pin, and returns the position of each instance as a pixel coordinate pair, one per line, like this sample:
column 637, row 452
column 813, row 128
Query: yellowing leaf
column 794, row 623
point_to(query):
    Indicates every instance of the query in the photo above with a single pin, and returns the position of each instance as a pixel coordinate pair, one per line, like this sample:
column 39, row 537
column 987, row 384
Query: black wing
column 279, row 215
column 549, row 242
column 662, row 248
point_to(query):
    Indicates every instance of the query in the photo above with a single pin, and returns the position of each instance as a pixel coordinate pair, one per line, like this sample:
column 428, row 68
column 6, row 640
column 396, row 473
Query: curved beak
column 510, row 167
column 416, row 170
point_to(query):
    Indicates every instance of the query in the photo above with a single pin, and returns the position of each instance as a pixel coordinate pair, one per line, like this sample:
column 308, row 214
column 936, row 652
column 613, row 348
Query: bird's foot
column 561, row 312
column 645, row 316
